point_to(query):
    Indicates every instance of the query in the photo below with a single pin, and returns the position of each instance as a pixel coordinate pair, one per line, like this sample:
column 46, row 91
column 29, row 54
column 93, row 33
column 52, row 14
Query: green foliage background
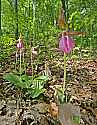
column 40, row 26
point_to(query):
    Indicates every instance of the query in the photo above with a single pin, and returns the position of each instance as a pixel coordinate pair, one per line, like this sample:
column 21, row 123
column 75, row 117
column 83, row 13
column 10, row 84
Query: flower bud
column 20, row 43
column 66, row 44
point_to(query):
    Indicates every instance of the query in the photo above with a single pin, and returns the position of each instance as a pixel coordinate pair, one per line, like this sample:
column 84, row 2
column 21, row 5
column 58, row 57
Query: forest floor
column 82, row 87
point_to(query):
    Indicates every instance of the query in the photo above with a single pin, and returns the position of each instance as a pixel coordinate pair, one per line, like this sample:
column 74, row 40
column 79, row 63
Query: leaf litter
column 81, row 86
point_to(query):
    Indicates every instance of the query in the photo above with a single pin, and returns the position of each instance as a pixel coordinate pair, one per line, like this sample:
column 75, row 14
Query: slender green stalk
column 20, row 63
column 16, row 61
column 24, row 66
column 23, row 57
column 64, row 84
column 32, row 63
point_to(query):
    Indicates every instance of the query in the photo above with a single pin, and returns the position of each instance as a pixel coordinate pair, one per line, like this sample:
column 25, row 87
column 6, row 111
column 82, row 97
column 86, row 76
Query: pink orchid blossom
column 66, row 44
column 20, row 44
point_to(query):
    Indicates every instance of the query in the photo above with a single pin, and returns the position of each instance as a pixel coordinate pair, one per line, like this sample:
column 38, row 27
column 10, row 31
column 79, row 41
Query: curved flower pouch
column 66, row 44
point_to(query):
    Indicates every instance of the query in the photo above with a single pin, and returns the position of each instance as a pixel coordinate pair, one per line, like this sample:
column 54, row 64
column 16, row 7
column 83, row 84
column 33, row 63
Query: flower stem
column 20, row 63
column 32, row 63
column 64, row 84
column 16, row 60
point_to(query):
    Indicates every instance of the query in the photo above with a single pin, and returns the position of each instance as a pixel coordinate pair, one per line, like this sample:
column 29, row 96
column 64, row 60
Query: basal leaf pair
column 33, row 88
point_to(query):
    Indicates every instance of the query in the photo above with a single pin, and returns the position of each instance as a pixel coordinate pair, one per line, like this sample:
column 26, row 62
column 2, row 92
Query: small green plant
column 33, row 88
column 63, row 97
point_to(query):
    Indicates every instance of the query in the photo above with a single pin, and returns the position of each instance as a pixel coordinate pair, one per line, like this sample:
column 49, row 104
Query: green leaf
column 76, row 119
column 26, row 78
column 36, row 92
column 44, row 78
column 14, row 79
column 39, row 82
column 27, row 84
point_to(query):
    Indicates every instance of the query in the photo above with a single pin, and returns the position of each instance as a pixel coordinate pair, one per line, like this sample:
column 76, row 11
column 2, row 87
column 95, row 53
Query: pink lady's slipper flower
column 20, row 44
column 66, row 44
